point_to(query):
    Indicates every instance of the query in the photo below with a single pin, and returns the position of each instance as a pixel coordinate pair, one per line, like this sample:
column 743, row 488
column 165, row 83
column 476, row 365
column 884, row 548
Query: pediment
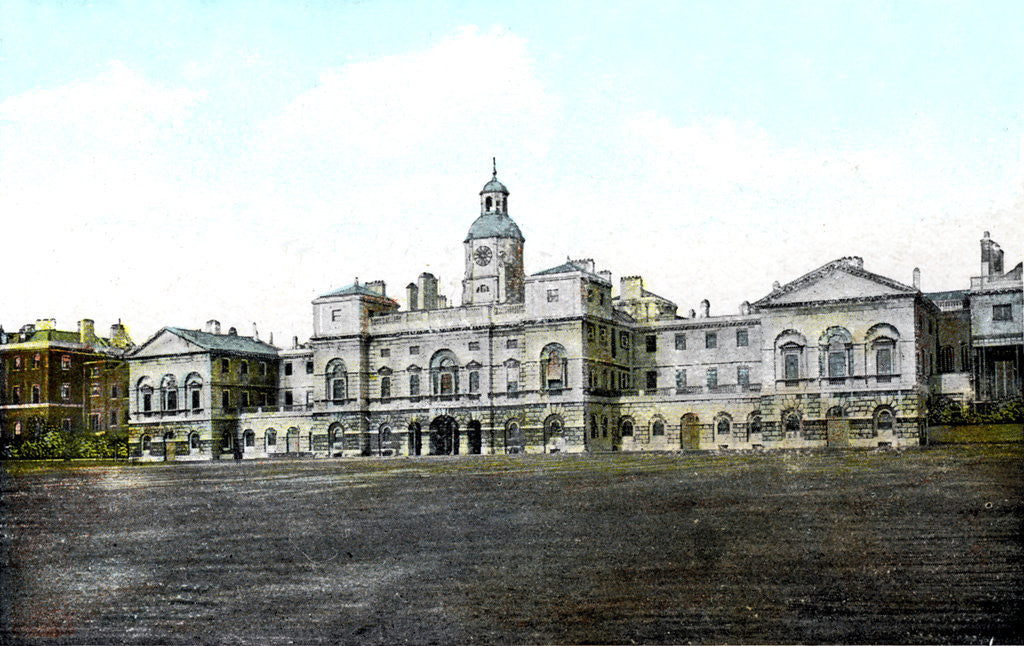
column 165, row 343
column 836, row 281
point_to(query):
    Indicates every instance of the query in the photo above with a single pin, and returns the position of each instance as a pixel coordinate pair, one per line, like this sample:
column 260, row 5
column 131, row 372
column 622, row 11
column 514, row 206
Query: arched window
column 554, row 432
column 837, row 353
column 194, row 390
column 754, row 423
column 250, row 438
column 723, row 425
column 147, row 443
column 593, row 427
column 444, row 373
column 553, row 367
column 271, row 437
column 626, row 427
column 790, row 346
column 881, row 339
column 334, row 433
column 487, row 203
column 193, row 441
column 792, row 423
column 385, row 434
column 169, row 393
column 337, row 381
column 657, row 427
column 836, row 412
column 144, row 387
column 885, row 420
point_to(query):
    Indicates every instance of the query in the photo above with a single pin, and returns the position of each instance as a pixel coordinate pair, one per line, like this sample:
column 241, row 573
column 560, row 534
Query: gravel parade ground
column 921, row 546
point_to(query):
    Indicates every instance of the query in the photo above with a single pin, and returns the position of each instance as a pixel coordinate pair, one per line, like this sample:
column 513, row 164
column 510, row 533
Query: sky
column 168, row 163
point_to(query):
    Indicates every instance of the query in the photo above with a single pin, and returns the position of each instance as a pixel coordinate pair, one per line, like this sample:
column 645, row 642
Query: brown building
column 71, row 380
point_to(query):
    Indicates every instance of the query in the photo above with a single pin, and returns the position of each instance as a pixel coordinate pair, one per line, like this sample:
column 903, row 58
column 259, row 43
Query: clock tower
column 494, row 251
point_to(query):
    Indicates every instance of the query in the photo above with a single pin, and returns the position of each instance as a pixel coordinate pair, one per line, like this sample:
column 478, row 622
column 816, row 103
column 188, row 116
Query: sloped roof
column 225, row 342
column 849, row 265
column 354, row 288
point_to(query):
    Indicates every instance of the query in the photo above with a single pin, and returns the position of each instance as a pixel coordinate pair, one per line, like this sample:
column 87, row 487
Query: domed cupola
column 494, row 250
column 494, row 221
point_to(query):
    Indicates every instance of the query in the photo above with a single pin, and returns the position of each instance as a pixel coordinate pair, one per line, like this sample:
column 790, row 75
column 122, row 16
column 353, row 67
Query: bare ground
column 921, row 546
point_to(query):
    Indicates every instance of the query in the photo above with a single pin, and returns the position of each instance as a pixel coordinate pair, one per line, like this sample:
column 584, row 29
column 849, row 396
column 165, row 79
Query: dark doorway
column 444, row 436
column 473, row 435
column 415, row 439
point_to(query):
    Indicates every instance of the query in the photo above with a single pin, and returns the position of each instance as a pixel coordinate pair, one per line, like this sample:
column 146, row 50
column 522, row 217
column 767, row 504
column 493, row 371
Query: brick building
column 60, row 379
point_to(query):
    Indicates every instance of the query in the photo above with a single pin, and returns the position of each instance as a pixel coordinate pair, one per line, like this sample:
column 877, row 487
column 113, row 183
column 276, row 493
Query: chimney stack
column 213, row 326
column 917, row 278
column 705, row 308
column 86, row 331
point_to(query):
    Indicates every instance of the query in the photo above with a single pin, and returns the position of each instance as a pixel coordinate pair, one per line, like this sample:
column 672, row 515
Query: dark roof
column 494, row 186
column 354, row 288
column 956, row 294
column 494, row 225
column 58, row 336
column 225, row 342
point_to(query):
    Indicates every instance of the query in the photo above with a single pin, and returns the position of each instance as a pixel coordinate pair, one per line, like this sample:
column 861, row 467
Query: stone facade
column 554, row 362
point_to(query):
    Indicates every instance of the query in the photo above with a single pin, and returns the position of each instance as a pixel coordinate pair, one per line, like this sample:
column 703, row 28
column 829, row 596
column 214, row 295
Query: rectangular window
column 741, row 338
column 147, row 402
column 652, row 379
column 17, row 363
column 95, row 390
column 288, row 398
column 474, row 345
column 94, row 371
column 65, row 424
column 1002, row 312
column 309, row 399
column 113, row 418
column 590, row 332
column 552, row 295
column 94, row 422
column 225, row 366
column 651, row 343
column 512, row 379
column 414, row 349
column 65, row 392
column 385, row 352
column 680, row 379
column 712, row 378
column 115, row 392
column 65, row 362
column 35, row 394
column 225, row 400
column 710, row 340
column 624, row 340
column 288, row 368
column 611, row 343
column 385, row 387
column 792, row 366
column 512, row 343
column 309, row 367
column 245, row 399
column 243, row 368
column 263, row 368
column 680, row 341
column 474, row 381
column 883, row 361
column 16, row 395
column 743, row 376
column 414, row 385
column 602, row 334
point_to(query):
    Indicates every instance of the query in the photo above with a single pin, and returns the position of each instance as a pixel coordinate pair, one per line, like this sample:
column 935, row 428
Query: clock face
column 483, row 256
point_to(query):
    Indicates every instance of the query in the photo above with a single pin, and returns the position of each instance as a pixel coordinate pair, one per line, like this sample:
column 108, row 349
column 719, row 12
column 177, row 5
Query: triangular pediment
column 840, row 280
column 165, row 343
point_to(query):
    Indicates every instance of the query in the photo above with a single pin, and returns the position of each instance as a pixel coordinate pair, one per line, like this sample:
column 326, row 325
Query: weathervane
column 494, row 167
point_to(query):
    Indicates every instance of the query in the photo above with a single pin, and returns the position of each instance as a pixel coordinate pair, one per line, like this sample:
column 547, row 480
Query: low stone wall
column 975, row 433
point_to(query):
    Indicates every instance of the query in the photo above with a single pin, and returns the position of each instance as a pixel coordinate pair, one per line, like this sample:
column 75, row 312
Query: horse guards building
column 556, row 361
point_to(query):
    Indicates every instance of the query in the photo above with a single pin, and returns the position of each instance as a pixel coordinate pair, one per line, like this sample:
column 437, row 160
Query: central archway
column 444, row 436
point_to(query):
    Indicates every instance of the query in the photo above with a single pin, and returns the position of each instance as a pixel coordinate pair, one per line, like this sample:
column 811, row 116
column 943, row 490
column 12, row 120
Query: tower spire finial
column 494, row 167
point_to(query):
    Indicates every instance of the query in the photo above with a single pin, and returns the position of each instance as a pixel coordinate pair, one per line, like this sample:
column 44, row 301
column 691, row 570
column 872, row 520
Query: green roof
column 494, row 186
column 494, row 225
column 225, row 342
column 354, row 288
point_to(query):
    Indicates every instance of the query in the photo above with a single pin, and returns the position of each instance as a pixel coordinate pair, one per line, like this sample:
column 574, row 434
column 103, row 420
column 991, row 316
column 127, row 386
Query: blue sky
column 232, row 160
